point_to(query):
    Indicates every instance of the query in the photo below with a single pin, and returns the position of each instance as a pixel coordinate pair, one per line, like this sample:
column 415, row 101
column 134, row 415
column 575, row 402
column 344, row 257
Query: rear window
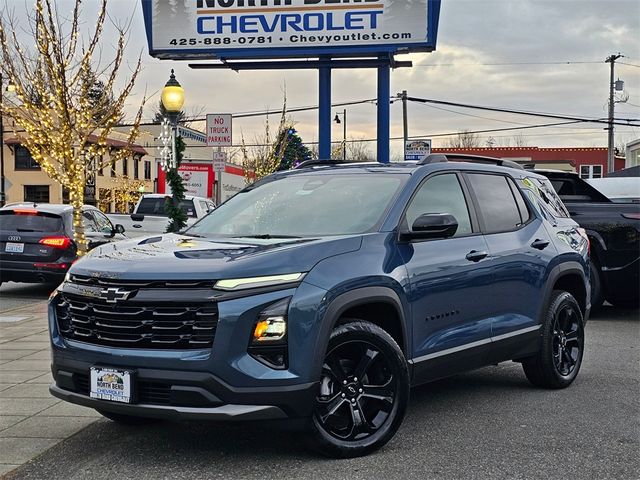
column 546, row 196
column 14, row 222
column 498, row 206
column 155, row 206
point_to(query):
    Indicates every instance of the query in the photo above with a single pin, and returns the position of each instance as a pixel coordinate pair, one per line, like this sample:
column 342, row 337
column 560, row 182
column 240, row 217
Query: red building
column 588, row 162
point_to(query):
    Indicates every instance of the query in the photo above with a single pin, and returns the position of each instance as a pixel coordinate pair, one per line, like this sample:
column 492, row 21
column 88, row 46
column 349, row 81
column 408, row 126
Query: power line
column 523, row 112
column 507, row 64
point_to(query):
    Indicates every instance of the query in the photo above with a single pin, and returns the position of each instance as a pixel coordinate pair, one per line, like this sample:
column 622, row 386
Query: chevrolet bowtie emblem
column 113, row 295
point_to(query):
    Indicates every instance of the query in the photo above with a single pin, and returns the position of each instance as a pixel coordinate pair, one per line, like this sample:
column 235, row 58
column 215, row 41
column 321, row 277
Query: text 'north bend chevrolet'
column 324, row 294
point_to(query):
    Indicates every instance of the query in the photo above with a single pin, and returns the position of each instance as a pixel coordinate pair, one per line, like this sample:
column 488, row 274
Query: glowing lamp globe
column 173, row 95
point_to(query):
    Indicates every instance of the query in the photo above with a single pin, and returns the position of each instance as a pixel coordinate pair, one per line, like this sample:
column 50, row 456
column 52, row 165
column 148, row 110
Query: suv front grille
column 164, row 326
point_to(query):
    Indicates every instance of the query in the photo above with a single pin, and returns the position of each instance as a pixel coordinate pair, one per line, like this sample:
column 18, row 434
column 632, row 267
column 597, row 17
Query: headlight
column 268, row 343
column 255, row 282
column 271, row 326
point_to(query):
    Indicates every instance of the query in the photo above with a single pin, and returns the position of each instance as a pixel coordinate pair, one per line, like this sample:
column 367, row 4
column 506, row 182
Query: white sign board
column 219, row 161
column 219, row 130
column 417, row 149
column 276, row 28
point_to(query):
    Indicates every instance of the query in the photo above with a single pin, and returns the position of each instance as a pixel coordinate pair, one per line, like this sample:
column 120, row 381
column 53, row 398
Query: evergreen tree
column 295, row 152
column 161, row 112
column 173, row 209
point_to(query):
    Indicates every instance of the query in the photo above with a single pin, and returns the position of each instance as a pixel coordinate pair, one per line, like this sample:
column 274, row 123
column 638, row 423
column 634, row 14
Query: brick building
column 590, row 162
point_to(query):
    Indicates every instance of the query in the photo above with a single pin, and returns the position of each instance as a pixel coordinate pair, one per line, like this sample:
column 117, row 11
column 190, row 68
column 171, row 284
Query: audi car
column 36, row 240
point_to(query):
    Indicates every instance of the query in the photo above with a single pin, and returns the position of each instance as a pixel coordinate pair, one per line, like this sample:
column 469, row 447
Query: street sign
column 219, row 161
column 219, row 130
column 416, row 150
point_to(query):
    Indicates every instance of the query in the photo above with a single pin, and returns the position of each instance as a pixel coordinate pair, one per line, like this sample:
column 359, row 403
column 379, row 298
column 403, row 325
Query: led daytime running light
column 254, row 282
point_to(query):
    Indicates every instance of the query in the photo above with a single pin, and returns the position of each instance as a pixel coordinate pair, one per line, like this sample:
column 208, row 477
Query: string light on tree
column 62, row 119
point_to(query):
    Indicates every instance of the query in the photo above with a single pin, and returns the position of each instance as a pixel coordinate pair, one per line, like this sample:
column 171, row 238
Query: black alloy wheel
column 363, row 391
column 567, row 341
column 558, row 361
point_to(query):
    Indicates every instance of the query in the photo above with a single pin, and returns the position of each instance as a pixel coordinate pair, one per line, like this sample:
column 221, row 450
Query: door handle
column 540, row 244
column 475, row 256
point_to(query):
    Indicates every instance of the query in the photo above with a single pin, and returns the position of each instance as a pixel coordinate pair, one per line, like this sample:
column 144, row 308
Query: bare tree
column 64, row 126
column 519, row 140
column 265, row 157
column 464, row 139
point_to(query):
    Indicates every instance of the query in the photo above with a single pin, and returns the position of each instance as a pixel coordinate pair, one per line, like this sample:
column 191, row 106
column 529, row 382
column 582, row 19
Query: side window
column 441, row 194
column 89, row 222
column 104, row 224
column 547, row 196
column 525, row 215
column 496, row 202
column 204, row 206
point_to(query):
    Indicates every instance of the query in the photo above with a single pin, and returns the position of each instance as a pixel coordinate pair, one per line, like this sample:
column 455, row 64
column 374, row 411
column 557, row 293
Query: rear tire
column 558, row 362
column 597, row 296
column 127, row 419
column 364, row 391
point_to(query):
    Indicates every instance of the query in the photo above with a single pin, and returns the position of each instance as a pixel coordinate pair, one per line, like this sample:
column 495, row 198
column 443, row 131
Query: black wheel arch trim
column 348, row 300
column 566, row 269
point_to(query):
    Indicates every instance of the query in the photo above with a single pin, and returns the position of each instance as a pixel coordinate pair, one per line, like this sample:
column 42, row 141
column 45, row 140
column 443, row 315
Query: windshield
column 304, row 206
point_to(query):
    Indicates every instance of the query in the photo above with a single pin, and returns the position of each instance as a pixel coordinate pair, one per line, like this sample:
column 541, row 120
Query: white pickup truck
column 149, row 217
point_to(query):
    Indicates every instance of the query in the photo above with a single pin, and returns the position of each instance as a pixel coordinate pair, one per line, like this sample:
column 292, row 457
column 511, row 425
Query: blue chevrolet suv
column 324, row 294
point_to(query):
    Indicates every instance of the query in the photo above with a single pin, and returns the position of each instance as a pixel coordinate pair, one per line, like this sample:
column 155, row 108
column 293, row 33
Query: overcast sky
column 499, row 53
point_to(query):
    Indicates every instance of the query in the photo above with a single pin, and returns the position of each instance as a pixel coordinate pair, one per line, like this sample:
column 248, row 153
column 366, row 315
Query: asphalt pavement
column 490, row 423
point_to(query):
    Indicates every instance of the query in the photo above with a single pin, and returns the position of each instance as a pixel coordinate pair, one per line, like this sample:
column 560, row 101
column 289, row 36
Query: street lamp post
column 344, row 131
column 173, row 101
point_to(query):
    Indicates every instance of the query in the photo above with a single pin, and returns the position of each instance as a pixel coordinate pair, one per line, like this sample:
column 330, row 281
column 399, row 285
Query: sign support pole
column 324, row 113
column 384, row 112
column 218, row 173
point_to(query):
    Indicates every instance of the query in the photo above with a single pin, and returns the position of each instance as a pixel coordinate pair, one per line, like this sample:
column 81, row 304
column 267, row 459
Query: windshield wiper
column 267, row 236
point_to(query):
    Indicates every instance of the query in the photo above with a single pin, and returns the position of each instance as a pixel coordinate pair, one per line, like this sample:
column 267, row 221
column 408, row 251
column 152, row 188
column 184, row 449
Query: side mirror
column 118, row 228
column 432, row 225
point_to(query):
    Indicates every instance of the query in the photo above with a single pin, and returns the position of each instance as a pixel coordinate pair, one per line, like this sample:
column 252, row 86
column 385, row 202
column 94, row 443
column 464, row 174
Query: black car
column 614, row 232
column 36, row 240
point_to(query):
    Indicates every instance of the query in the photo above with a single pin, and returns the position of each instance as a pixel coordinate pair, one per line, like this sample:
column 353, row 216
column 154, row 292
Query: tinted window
column 304, row 206
column 546, row 195
column 29, row 223
column 155, row 206
column 441, row 194
column 525, row 215
column 497, row 205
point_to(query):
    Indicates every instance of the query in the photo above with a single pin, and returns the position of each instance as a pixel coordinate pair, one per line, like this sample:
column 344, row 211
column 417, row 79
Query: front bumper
column 185, row 395
column 221, row 413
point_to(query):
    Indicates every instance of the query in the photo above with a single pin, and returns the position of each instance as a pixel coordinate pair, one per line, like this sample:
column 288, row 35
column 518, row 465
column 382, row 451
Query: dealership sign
column 416, row 150
column 280, row 28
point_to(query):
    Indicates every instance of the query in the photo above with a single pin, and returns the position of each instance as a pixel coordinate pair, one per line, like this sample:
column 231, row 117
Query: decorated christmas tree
column 295, row 152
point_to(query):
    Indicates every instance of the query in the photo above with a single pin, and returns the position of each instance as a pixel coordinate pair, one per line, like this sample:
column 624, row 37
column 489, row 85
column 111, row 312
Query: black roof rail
column 320, row 163
column 453, row 157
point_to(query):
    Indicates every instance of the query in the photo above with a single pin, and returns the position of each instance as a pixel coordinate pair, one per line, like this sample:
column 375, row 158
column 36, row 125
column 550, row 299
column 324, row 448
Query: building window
column 36, row 193
column 147, row 169
column 125, row 167
column 24, row 160
column 590, row 171
column 100, row 167
column 113, row 168
column 136, row 167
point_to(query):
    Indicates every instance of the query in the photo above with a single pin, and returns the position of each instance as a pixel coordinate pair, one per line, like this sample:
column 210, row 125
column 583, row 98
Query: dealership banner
column 185, row 29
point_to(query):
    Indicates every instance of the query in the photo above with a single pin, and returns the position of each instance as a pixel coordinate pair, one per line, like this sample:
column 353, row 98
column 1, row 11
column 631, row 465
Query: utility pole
column 611, row 147
column 405, row 123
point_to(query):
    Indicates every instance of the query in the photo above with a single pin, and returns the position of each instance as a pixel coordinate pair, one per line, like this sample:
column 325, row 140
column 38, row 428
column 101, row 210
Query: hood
column 178, row 257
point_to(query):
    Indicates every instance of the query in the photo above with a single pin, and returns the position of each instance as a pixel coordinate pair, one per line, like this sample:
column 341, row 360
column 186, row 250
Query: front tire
column 597, row 295
column 364, row 391
column 558, row 362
